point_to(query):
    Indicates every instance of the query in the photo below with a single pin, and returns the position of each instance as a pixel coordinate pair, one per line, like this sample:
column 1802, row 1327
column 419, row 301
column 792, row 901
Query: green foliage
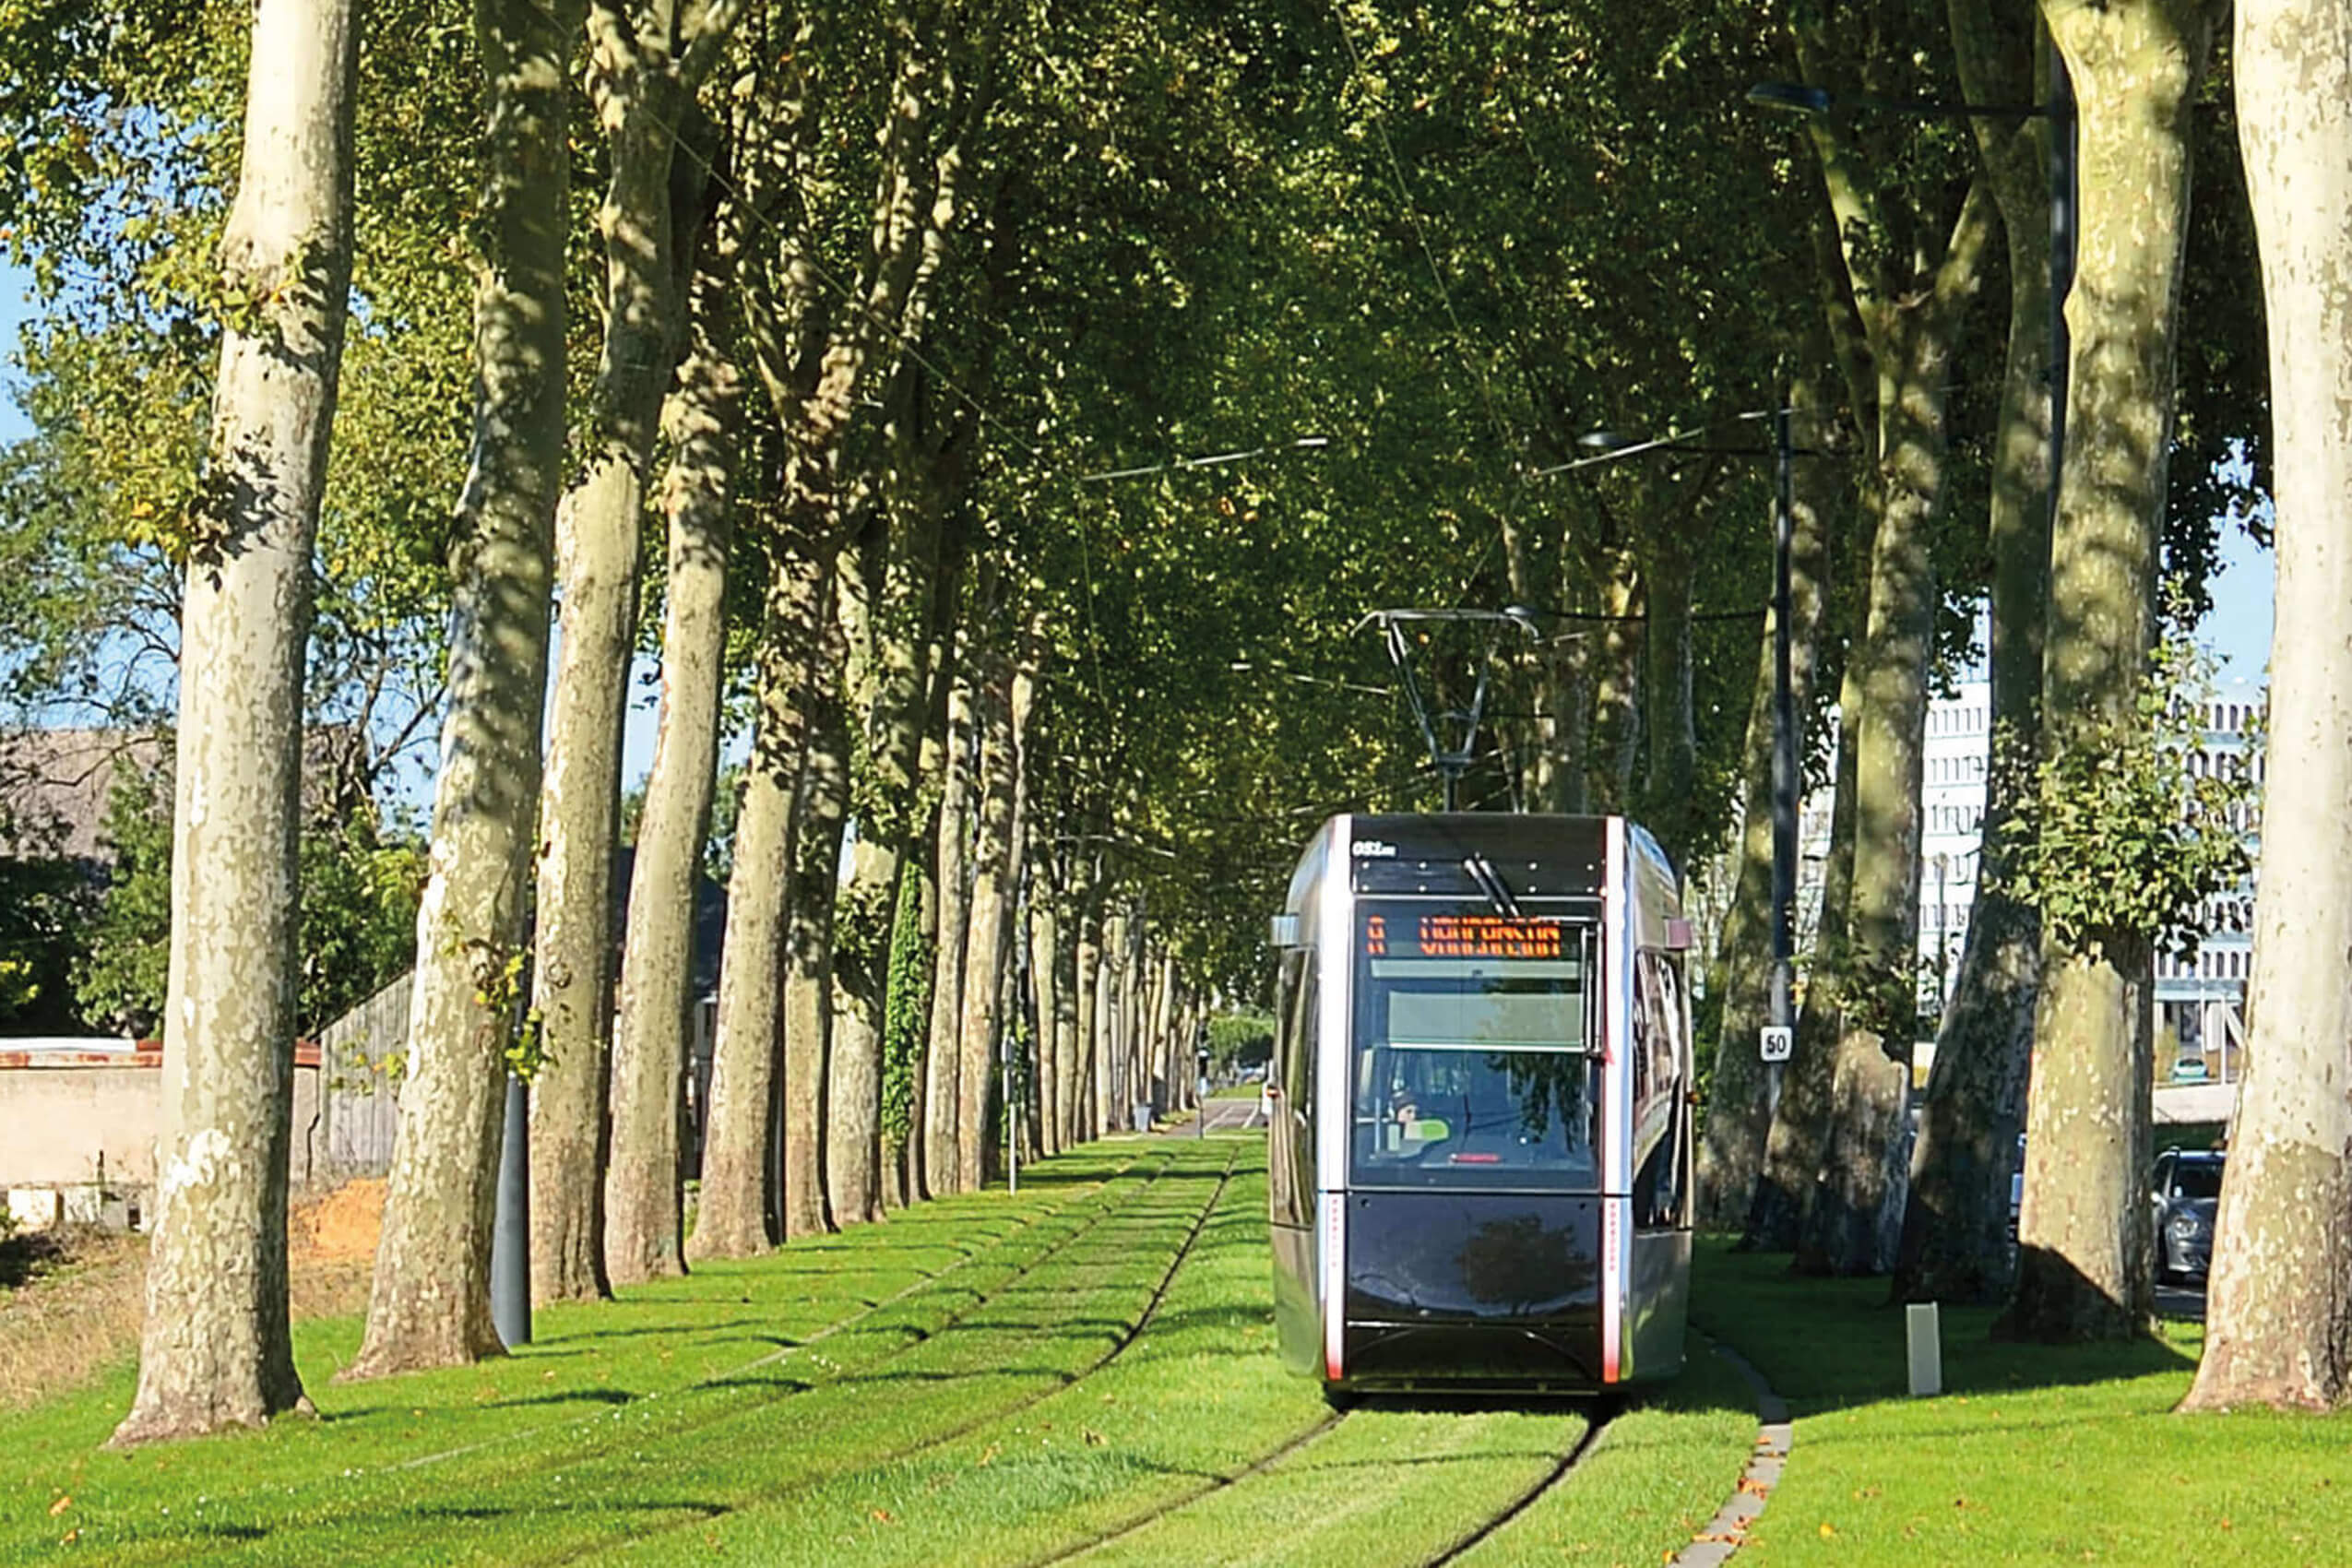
column 1242, row 1038
column 2120, row 835
column 359, row 891
column 906, row 1016
column 45, row 905
column 119, row 983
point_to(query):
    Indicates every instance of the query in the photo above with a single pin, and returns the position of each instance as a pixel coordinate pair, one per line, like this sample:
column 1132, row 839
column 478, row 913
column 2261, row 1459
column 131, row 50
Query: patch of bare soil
column 71, row 1300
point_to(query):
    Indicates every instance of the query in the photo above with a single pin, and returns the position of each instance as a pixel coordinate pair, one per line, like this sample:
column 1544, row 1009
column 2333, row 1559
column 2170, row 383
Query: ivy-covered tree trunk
column 1739, row 1114
column 2083, row 1234
column 216, row 1348
column 818, row 819
column 1955, row 1244
column 2280, row 1302
column 430, row 1302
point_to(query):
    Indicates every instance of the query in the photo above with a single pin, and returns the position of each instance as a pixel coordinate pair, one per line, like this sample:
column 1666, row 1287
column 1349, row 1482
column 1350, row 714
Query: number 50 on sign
column 1777, row 1040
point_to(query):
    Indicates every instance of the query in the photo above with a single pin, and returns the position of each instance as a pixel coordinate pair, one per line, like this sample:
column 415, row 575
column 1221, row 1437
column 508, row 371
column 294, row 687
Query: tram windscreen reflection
column 1473, row 1063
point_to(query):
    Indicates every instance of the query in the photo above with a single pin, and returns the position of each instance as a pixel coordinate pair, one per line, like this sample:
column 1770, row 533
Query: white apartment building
column 2201, row 999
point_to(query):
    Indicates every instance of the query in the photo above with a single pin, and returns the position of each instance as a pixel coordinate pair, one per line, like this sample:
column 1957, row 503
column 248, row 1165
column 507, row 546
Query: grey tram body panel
column 1479, row 1129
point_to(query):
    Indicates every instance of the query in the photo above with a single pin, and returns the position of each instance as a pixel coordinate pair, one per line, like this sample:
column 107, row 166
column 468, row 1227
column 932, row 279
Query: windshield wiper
column 1489, row 882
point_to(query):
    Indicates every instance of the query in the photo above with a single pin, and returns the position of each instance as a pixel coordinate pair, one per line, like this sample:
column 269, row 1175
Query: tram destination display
column 1465, row 936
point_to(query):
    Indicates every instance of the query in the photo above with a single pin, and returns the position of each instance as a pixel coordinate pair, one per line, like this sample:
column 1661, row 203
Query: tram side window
column 1294, row 1119
column 1660, row 1136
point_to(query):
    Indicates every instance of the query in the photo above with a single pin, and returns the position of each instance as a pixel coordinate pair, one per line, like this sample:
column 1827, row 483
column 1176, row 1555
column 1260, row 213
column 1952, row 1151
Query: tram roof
column 1538, row 856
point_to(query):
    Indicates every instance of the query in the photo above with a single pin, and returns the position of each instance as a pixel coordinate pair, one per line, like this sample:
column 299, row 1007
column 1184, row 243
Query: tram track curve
column 1596, row 1428
column 1265, row 1462
column 598, row 1551
column 604, row 1434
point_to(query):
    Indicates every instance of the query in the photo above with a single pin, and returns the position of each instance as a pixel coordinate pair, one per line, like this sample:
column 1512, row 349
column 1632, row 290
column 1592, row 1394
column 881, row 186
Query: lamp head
column 1604, row 441
column 1791, row 97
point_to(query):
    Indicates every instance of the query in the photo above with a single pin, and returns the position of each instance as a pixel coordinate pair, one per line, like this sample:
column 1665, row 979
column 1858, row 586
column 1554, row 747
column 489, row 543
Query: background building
column 2200, row 1000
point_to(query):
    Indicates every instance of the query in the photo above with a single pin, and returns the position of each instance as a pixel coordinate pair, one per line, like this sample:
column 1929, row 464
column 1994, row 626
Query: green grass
column 2035, row 1453
column 1656, row 1478
column 1238, row 1091
column 1084, row 1372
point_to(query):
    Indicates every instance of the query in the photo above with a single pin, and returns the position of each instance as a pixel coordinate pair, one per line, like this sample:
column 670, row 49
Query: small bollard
column 1923, row 1335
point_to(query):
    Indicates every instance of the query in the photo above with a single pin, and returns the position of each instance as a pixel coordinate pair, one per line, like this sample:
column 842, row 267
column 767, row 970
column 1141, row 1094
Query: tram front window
column 1473, row 1065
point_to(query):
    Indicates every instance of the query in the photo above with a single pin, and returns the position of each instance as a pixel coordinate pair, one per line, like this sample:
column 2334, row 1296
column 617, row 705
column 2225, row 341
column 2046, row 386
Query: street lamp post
column 1608, row 447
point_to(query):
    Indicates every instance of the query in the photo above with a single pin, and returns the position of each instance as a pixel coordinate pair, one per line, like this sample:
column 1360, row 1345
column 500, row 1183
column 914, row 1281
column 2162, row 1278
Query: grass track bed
column 659, row 1365
column 1653, row 1479
column 1082, row 1374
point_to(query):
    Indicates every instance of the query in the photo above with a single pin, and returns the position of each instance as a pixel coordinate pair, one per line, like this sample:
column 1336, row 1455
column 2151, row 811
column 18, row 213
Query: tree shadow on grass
column 1832, row 1344
column 29, row 1253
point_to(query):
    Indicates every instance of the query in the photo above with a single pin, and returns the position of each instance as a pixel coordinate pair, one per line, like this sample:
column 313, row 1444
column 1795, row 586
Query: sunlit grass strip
column 2035, row 1453
column 1195, row 1398
column 1653, row 1481
column 645, row 1364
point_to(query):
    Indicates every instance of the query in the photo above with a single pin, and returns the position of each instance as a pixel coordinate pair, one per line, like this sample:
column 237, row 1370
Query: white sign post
column 1777, row 1040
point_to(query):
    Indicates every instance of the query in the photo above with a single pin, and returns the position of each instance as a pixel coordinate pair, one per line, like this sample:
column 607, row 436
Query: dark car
column 2185, row 1193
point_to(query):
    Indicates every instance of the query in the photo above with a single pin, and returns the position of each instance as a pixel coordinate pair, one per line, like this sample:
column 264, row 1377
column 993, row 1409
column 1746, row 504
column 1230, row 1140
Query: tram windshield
column 1473, row 1055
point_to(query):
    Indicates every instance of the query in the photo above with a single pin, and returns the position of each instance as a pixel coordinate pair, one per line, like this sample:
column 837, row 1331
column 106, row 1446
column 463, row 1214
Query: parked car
column 2189, row 1069
column 2185, row 1193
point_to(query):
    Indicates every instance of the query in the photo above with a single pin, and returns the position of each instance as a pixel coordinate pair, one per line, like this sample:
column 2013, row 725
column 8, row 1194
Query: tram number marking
column 1777, row 1040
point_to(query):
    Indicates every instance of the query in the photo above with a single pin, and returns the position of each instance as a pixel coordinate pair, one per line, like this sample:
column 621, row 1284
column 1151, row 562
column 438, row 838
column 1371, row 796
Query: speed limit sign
column 1776, row 1040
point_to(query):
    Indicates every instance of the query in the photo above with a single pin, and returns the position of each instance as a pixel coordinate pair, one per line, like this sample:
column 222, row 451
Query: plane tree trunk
column 642, row 75
column 1006, row 695
column 818, row 819
column 428, row 1304
column 2084, row 1233
column 2279, row 1314
column 1955, row 1243
column 216, row 1349
column 1738, row 1111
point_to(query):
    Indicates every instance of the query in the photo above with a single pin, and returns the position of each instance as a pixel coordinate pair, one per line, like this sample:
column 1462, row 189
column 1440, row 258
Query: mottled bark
column 1955, row 1244
column 739, row 1204
column 1045, row 982
column 604, row 1197
column 1093, row 1039
column 1793, row 1149
column 818, row 820
column 2279, row 1303
column 1669, row 729
column 1071, row 1059
column 2083, row 1234
column 430, row 1302
column 1738, row 1114
column 1613, row 731
column 1007, row 685
column 943, row 1067
column 1853, row 1208
column 215, row 1348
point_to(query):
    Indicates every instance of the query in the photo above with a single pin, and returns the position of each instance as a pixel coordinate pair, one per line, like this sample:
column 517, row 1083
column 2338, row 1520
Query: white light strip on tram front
column 1334, row 954
column 1617, row 1063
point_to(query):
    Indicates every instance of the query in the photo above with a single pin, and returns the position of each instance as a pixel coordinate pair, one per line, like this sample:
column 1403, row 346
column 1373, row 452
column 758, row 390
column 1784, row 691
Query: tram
column 1479, row 1140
